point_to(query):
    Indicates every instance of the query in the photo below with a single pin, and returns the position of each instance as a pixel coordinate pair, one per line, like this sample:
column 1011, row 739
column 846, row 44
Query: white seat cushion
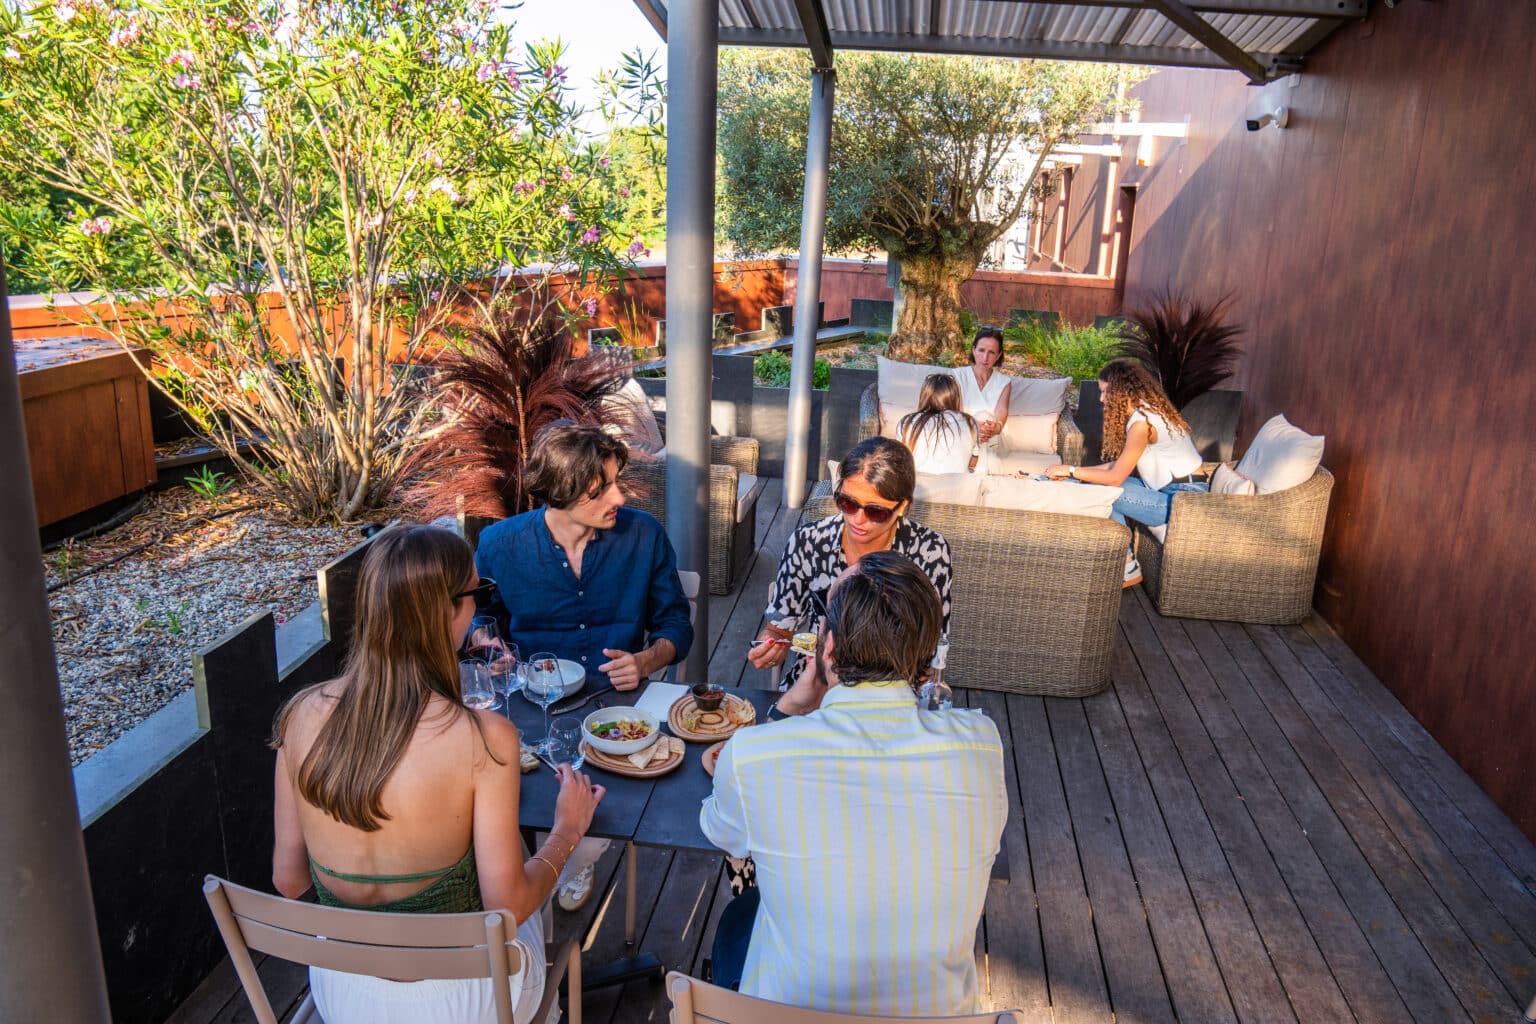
column 949, row 488
column 1065, row 496
column 1017, row 463
column 1281, row 457
column 748, row 488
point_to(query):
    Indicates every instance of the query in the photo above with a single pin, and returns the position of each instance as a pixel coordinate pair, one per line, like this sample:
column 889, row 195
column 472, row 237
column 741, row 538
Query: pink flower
column 408, row 196
column 555, row 73
column 591, row 235
column 64, row 11
column 125, row 36
column 186, row 81
column 485, row 71
column 460, row 27
column 512, row 82
column 522, row 187
column 591, row 307
column 434, row 295
column 96, row 226
column 565, row 174
column 624, row 191
column 636, row 248
column 565, row 211
column 181, row 59
column 434, row 159
column 603, row 162
column 375, row 222
column 353, row 58
column 443, row 185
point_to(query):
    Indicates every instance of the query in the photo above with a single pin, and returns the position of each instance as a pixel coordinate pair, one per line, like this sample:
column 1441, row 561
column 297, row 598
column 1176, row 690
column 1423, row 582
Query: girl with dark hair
column 383, row 777
column 874, row 491
column 941, row 437
column 1143, row 433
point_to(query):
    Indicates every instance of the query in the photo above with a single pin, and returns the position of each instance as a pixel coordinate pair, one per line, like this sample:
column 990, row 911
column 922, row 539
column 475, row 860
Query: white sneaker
column 1132, row 573
column 575, row 890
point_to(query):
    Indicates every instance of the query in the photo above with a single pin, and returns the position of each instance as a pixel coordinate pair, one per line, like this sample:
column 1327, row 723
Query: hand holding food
column 767, row 651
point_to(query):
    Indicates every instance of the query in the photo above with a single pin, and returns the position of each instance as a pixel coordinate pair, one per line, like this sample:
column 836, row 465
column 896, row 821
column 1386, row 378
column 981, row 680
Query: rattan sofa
column 1241, row 558
column 1035, row 596
column 1069, row 439
column 734, row 488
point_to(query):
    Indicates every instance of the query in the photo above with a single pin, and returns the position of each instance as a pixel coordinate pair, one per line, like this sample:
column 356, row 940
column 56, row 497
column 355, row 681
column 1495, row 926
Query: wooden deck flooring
column 1246, row 827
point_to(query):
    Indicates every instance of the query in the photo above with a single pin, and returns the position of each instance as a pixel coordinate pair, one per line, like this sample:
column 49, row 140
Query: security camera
column 1280, row 117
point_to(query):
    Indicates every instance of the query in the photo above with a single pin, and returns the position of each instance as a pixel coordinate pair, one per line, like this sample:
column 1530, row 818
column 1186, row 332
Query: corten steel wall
column 1078, row 298
column 1382, row 256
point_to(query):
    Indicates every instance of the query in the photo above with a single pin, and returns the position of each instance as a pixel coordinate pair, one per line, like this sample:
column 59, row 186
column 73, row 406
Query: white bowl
column 620, row 747
column 572, row 678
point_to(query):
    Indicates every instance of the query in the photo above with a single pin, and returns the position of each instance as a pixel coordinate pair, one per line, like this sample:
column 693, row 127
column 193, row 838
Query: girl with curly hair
column 1143, row 433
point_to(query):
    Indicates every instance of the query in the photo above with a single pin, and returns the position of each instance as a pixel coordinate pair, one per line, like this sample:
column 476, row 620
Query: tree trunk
column 929, row 321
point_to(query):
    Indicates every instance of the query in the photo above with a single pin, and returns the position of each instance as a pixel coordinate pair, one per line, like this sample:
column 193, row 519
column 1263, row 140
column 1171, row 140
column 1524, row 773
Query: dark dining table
column 663, row 811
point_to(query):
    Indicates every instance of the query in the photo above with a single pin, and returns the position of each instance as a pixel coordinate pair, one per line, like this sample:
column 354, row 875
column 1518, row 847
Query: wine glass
column 565, row 744
column 544, row 687
column 475, row 685
column 506, row 671
column 935, row 694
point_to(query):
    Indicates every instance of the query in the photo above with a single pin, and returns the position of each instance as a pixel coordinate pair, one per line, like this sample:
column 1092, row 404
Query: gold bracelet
column 574, row 843
column 540, row 858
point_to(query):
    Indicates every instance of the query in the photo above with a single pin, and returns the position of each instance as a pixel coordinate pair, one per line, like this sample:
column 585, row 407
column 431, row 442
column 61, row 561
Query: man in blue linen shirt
column 587, row 579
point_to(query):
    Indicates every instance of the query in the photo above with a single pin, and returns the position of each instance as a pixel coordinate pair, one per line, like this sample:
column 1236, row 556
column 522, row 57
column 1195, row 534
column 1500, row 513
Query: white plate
column 572, row 677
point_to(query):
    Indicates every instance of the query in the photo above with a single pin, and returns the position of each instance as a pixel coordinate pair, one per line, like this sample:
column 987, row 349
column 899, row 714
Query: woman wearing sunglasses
column 393, row 796
column 875, row 489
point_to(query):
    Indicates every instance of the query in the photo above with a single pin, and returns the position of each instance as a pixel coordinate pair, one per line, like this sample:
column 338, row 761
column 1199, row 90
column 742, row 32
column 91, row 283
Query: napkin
column 658, row 698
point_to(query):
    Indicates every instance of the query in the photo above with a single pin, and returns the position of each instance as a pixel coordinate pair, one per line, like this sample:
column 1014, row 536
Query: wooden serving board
column 686, row 706
column 620, row 765
column 711, row 755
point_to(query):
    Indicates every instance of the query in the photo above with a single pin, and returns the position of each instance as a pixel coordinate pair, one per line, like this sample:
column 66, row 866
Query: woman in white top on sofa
column 1143, row 433
column 985, row 390
column 941, row 437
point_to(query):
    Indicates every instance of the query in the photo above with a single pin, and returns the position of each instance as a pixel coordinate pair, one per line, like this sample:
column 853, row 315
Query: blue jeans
column 1144, row 505
column 733, row 935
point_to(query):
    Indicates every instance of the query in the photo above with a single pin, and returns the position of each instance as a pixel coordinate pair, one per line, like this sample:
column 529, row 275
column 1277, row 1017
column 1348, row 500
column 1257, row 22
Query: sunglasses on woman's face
column 877, row 515
column 481, row 591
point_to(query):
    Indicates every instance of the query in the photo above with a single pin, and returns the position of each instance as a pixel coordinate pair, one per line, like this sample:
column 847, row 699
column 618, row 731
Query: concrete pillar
column 813, row 231
column 48, row 938
column 692, row 84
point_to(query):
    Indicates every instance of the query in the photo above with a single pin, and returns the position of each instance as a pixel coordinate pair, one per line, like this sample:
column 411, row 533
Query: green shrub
column 1076, row 352
column 771, row 370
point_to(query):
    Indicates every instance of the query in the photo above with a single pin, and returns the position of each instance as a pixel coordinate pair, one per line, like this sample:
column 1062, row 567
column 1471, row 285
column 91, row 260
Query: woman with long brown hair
column 1143, row 433
column 383, row 777
column 940, row 434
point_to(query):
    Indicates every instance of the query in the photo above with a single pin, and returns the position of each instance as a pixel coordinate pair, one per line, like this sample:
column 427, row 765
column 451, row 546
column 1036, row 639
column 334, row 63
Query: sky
column 596, row 34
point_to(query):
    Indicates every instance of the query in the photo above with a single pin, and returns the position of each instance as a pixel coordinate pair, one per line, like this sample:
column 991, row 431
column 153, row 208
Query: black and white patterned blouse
column 814, row 559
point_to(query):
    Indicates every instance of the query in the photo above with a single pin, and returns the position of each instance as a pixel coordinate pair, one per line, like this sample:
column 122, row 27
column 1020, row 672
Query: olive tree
column 920, row 147
column 288, row 204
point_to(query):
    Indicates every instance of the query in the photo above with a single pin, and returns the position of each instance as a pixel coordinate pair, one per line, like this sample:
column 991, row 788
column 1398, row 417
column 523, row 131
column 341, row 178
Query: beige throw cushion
column 1030, row 396
column 1049, row 496
column 901, row 383
column 949, row 488
column 1281, row 457
column 891, row 415
column 1227, row 480
column 1031, row 433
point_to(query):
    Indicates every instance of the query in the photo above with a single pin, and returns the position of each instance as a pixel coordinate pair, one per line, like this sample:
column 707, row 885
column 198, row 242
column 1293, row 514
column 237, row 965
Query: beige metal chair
column 405, row 947
column 698, row 1002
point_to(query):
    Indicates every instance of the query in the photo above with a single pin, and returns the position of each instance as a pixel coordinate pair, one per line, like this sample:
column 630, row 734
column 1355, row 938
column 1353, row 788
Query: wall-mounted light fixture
column 1280, row 118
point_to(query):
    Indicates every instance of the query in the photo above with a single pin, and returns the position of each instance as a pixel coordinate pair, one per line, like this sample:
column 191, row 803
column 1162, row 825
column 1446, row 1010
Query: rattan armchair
column 1069, row 439
column 1034, row 599
column 1241, row 558
column 734, row 488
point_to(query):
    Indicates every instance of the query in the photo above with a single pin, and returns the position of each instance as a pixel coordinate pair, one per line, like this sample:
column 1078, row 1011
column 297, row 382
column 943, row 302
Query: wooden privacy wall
column 1382, row 252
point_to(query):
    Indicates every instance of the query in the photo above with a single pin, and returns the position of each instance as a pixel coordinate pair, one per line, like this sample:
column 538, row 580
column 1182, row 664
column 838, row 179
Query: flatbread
column 641, row 758
column 527, row 760
column 742, row 713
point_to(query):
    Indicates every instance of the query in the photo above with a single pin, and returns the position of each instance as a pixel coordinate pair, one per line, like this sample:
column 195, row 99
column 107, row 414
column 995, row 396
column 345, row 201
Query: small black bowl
column 708, row 696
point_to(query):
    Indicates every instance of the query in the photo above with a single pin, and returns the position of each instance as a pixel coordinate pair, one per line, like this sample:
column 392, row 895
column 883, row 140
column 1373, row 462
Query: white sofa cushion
column 949, row 488
column 637, row 423
column 1065, row 496
column 1227, row 480
column 891, row 415
column 1281, row 457
column 1026, row 432
column 1017, row 463
column 1033, row 396
column 901, row 383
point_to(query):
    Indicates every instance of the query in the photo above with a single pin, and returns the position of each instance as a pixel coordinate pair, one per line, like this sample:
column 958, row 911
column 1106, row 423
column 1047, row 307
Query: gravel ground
column 124, row 636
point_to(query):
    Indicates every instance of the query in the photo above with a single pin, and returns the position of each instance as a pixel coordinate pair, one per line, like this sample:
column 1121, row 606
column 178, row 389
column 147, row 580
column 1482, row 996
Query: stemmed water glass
column 507, row 671
column 935, row 694
column 485, row 644
column 544, row 687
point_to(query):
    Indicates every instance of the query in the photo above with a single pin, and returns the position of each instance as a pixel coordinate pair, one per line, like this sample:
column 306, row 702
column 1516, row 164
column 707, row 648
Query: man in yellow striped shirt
column 873, row 824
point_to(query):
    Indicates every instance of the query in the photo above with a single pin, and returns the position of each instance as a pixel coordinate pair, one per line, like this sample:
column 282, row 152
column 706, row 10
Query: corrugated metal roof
column 1275, row 33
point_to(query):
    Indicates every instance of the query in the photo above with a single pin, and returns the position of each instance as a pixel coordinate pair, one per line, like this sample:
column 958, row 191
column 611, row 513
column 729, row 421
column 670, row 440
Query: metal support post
column 692, row 80
column 48, row 937
column 813, row 232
